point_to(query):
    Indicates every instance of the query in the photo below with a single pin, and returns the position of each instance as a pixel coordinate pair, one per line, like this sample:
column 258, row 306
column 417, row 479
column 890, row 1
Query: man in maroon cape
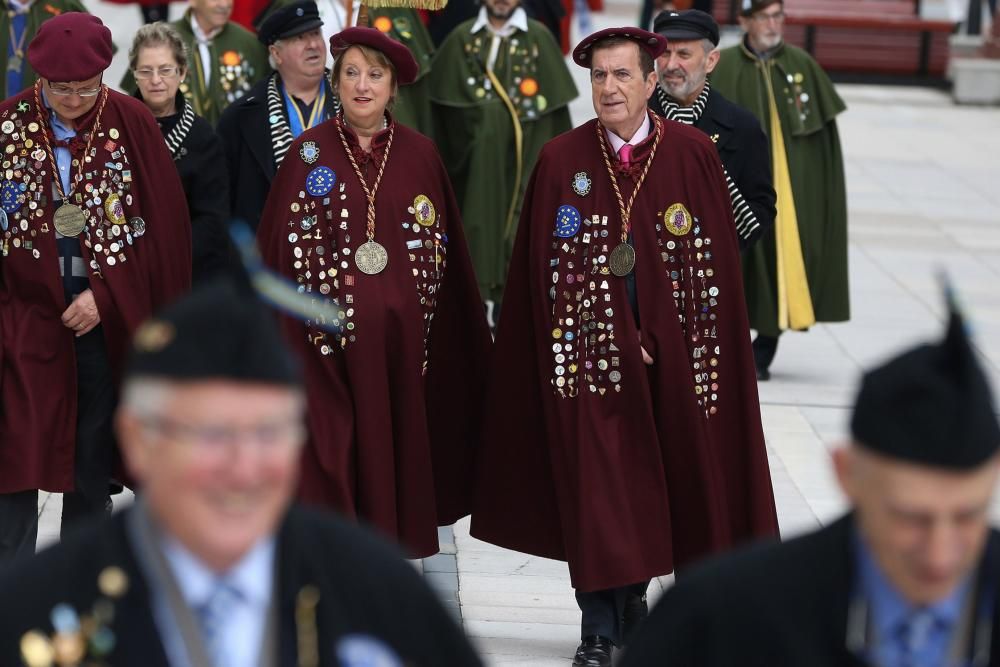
column 84, row 259
column 623, row 427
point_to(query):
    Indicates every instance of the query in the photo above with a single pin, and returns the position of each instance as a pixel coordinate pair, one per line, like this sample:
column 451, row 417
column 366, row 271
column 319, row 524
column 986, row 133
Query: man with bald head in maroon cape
column 623, row 427
column 84, row 259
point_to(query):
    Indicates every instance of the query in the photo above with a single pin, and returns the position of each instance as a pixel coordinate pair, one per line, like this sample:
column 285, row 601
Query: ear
column 650, row 84
column 182, row 75
column 845, row 468
column 273, row 51
column 712, row 61
column 133, row 445
column 744, row 23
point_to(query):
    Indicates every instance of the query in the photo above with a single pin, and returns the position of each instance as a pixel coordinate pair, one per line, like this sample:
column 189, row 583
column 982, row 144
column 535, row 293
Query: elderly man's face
column 620, row 89
column 217, row 461
column 926, row 526
column 72, row 99
column 212, row 14
column 683, row 68
column 302, row 55
column 764, row 28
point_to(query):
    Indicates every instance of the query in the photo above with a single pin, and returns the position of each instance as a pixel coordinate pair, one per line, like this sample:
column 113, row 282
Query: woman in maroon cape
column 361, row 212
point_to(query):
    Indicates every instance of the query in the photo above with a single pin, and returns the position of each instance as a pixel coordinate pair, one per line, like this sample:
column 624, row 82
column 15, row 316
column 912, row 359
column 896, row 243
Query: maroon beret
column 71, row 47
column 649, row 42
column 398, row 54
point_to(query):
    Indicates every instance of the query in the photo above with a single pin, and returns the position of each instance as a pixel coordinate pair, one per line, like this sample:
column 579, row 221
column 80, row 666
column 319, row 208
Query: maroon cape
column 624, row 470
column 133, row 271
column 394, row 403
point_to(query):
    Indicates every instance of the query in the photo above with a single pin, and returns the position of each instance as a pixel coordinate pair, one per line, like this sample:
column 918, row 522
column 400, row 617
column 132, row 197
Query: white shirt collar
column 640, row 134
column 21, row 6
column 517, row 21
column 200, row 35
column 253, row 575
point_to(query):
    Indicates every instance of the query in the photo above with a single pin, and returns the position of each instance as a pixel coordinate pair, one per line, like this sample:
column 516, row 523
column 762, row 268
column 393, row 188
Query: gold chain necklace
column 69, row 219
column 622, row 258
column 370, row 257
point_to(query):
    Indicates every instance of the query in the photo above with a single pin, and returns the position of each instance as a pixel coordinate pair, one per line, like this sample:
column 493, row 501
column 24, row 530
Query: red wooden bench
column 878, row 37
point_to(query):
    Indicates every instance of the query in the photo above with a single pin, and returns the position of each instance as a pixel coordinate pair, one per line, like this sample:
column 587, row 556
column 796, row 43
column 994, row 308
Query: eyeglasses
column 211, row 439
column 765, row 18
column 63, row 91
column 162, row 72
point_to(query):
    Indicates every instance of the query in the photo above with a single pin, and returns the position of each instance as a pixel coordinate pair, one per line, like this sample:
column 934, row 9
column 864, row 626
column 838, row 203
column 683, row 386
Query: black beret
column 931, row 405
column 217, row 332
column 291, row 20
column 686, row 25
column 749, row 7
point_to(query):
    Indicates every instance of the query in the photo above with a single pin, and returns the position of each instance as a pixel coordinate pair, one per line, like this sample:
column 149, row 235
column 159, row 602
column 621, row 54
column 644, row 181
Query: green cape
column 475, row 131
column 40, row 11
column 239, row 61
column 807, row 105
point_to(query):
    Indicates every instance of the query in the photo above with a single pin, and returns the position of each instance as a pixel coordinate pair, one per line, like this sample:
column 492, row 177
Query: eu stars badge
column 567, row 221
column 320, row 181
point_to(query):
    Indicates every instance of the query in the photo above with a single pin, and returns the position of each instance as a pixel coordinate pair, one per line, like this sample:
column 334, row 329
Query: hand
column 646, row 359
column 82, row 315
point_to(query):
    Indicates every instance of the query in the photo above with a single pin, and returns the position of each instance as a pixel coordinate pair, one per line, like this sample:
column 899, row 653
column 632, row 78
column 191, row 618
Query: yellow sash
column 795, row 310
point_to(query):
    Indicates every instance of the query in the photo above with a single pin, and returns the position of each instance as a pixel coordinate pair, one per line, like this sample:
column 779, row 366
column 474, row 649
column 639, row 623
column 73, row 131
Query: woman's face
column 364, row 89
column 157, row 75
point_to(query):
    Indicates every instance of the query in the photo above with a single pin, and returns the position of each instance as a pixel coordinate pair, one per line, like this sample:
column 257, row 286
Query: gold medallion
column 622, row 259
column 371, row 258
column 69, row 220
column 677, row 219
column 114, row 210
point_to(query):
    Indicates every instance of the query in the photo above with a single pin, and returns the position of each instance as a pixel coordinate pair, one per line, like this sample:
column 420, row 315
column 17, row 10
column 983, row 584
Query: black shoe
column 634, row 613
column 594, row 651
column 763, row 375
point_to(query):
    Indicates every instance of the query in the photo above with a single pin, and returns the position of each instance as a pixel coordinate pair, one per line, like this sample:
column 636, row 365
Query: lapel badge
column 715, row 138
column 309, row 152
column 23, row 106
column 677, row 220
column 424, row 210
column 581, row 183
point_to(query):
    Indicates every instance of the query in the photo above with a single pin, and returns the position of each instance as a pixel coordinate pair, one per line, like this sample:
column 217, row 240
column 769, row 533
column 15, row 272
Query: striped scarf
column 746, row 221
column 281, row 132
column 175, row 137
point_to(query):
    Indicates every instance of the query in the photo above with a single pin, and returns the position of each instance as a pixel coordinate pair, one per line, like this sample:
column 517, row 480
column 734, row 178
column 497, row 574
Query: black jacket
column 246, row 140
column 744, row 151
column 365, row 588
column 202, row 167
column 769, row 605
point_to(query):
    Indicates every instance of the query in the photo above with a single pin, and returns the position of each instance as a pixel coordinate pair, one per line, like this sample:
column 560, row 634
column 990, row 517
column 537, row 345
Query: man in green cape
column 797, row 275
column 18, row 24
column 413, row 104
column 500, row 89
column 226, row 58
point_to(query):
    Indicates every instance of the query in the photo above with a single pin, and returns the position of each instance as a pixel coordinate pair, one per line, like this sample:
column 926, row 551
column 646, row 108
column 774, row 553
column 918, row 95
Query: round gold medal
column 622, row 259
column 371, row 258
column 69, row 220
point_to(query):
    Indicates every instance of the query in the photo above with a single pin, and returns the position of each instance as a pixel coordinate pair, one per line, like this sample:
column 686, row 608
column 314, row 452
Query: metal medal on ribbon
column 69, row 220
column 622, row 259
column 371, row 258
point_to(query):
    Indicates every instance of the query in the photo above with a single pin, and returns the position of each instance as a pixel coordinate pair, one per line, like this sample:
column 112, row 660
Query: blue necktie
column 214, row 614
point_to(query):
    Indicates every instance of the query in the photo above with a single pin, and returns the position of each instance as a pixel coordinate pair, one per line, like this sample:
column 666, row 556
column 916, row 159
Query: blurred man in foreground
column 909, row 577
column 212, row 566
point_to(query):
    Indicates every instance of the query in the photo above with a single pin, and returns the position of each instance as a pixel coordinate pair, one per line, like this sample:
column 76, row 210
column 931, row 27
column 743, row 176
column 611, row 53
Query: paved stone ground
column 923, row 182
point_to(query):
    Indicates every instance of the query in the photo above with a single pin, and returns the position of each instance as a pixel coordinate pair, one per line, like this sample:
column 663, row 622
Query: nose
column 942, row 549
column 673, row 62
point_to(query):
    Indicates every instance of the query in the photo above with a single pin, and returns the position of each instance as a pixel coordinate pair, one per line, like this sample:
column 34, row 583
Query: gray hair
column 145, row 396
column 158, row 34
column 270, row 55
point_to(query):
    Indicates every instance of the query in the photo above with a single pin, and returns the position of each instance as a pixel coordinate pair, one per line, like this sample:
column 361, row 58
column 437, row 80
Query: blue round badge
column 320, row 181
column 10, row 197
column 567, row 221
column 365, row 651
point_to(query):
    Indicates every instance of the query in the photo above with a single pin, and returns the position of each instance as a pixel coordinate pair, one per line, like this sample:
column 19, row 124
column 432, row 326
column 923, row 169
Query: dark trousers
column 603, row 610
column 764, row 349
column 154, row 13
column 94, row 450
